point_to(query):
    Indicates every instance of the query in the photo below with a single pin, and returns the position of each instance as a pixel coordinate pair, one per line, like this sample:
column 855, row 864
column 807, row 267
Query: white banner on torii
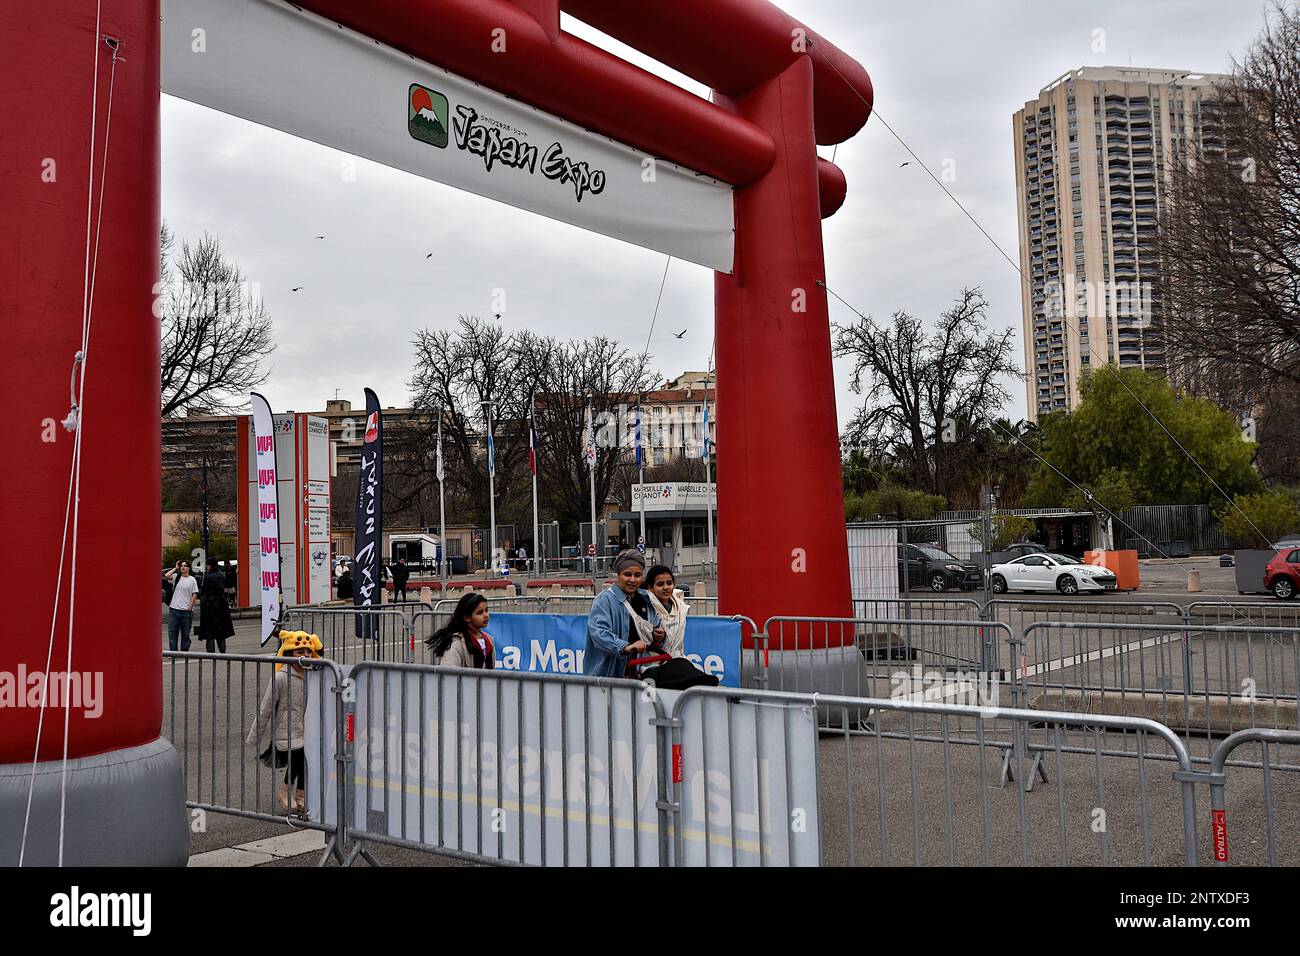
column 256, row 58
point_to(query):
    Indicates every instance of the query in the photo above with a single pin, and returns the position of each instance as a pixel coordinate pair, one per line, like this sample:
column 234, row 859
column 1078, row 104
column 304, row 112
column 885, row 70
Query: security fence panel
column 746, row 774
column 1266, row 614
column 234, row 734
column 338, row 629
column 1203, row 682
column 508, row 767
column 920, row 659
column 1254, row 811
column 873, row 562
column 920, row 798
column 1021, row 613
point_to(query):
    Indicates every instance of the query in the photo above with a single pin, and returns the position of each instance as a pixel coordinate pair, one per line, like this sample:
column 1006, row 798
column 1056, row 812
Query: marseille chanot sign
column 372, row 101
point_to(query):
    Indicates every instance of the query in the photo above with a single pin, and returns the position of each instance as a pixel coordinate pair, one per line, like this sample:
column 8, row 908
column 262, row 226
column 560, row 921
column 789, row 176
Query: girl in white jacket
column 668, row 602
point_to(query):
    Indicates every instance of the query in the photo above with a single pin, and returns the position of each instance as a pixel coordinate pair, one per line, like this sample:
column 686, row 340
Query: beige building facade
column 1093, row 158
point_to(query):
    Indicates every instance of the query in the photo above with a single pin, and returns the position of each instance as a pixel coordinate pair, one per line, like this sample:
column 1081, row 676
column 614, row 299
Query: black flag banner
column 368, row 538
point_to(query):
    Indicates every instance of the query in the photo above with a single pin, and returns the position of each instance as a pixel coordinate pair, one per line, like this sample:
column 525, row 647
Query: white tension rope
column 73, row 423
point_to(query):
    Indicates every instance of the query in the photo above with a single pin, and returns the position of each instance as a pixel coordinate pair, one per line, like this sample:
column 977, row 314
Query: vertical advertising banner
column 268, row 514
column 369, row 535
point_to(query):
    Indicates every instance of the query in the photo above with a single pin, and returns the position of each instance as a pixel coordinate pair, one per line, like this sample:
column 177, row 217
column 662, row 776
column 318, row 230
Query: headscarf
column 628, row 558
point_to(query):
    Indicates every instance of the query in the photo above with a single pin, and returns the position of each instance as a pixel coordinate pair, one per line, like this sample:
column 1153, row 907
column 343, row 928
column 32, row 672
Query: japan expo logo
column 372, row 427
column 426, row 116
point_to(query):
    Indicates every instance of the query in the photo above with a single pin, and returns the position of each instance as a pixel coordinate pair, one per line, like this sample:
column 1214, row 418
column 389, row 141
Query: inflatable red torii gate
column 780, row 89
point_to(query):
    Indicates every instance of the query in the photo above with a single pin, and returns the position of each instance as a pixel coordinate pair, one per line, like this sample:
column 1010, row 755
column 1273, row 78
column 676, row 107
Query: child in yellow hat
column 282, row 717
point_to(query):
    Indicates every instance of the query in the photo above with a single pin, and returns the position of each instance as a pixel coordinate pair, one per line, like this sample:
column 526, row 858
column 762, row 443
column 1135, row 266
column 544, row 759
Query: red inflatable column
column 779, row 463
column 55, row 64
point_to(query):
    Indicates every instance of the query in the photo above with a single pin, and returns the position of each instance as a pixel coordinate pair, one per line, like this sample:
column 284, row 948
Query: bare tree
column 612, row 376
column 1229, row 240
column 926, row 392
column 457, row 371
column 216, row 333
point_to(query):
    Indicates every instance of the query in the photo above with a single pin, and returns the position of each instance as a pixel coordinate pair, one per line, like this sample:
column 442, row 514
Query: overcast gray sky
column 948, row 74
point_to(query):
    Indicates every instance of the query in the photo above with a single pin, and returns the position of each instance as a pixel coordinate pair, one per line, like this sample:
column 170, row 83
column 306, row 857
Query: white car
column 1051, row 572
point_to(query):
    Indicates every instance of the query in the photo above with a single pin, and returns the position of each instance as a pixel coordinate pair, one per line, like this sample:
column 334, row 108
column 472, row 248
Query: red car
column 1282, row 576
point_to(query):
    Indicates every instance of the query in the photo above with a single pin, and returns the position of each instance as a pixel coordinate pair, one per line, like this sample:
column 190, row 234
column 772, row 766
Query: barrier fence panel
column 1204, row 682
column 568, row 604
column 343, row 632
column 1254, row 814
column 509, row 767
column 1020, row 614
column 911, row 607
column 211, row 702
column 875, row 799
column 1276, row 614
column 919, row 659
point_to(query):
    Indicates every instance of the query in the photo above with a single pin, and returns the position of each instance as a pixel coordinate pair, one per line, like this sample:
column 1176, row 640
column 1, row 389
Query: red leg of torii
column 781, row 523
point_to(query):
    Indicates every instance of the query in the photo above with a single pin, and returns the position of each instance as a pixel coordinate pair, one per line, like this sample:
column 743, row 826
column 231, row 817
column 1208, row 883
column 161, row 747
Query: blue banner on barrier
column 554, row 644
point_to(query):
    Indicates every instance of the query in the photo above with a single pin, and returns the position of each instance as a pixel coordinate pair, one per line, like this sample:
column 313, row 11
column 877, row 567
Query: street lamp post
column 491, row 549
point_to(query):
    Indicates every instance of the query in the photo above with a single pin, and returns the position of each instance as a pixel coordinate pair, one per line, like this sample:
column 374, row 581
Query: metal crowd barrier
column 489, row 734
column 1205, row 682
column 511, row 767
column 908, row 659
column 350, row 636
column 1021, row 614
column 1226, row 844
column 903, row 801
column 211, row 702
column 913, row 607
column 1276, row 614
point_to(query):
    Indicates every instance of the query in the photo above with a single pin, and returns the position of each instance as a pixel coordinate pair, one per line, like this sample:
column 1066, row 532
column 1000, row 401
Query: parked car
column 926, row 567
column 1290, row 541
column 1021, row 548
column 1051, row 572
column 1282, row 575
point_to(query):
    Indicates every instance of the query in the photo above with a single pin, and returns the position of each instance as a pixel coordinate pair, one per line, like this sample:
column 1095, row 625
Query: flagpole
column 591, row 470
column 640, row 466
column 708, row 471
column 538, row 565
column 492, row 494
column 444, row 565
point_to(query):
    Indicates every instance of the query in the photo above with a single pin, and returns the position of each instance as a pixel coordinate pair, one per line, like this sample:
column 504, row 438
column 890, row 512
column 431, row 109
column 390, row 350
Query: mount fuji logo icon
column 426, row 115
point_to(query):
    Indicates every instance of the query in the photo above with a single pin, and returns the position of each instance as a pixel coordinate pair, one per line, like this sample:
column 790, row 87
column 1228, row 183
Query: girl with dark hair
column 669, row 603
column 463, row 642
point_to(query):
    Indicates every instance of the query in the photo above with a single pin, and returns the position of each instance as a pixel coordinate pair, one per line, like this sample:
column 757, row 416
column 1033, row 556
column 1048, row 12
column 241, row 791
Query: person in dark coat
column 214, row 613
column 345, row 585
column 401, row 574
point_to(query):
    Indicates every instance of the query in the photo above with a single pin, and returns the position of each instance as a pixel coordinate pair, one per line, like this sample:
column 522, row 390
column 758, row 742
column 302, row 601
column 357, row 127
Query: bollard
column 1193, row 580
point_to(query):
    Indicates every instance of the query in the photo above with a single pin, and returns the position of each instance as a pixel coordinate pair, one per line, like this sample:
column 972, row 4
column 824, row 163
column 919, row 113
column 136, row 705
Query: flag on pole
column 532, row 440
column 638, row 432
column 491, row 449
column 590, row 451
column 439, row 472
column 704, row 442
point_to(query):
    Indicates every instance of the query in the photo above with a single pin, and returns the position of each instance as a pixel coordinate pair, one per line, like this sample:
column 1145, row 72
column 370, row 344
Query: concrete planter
column 1250, row 564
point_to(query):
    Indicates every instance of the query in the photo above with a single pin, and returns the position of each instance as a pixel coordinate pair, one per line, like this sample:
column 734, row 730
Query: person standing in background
column 185, row 597
column 401, row 574
column 214, row 613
